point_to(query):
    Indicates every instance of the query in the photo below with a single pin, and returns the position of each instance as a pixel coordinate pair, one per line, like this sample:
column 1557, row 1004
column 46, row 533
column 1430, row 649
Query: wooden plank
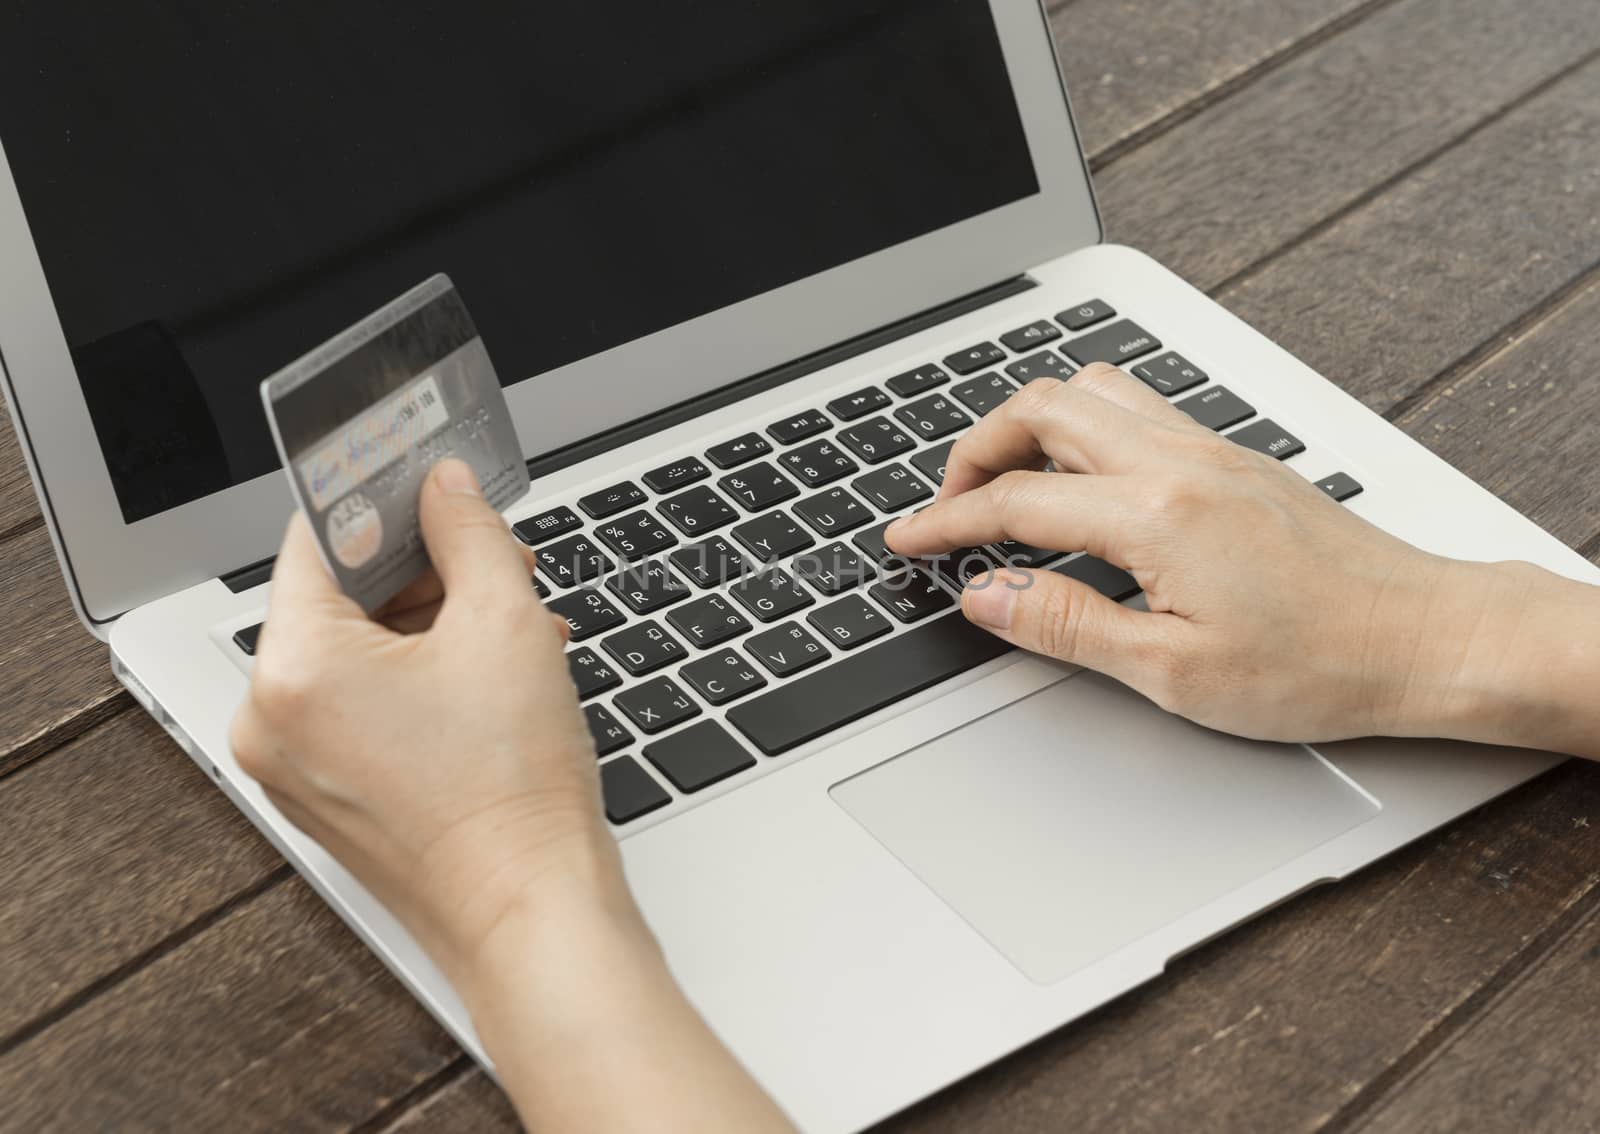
column 110, row 847
column 1525, row 423
column 1276, row 1025
column 1251, row 174
column 274, row 1018
column 19, row 508
column 1135, row 66
column 1406, row 286
column 470, row 1103
column 55, row 677
column 1528, row 1063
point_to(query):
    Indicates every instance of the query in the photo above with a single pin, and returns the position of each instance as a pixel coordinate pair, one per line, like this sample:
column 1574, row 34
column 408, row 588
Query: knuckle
column 1058, row 625
column 1012, row 493
column 1036, row 397
column 282, row 693
column 1173, row 500
column 1097, row 377
column 248, row 750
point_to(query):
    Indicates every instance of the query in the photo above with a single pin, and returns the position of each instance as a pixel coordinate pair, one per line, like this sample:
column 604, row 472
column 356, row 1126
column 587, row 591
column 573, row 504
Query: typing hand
column 1274, row 612
column 438, row 752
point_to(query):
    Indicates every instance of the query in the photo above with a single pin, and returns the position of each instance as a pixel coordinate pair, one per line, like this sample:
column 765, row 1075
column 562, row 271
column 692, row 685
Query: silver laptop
column 749, row 271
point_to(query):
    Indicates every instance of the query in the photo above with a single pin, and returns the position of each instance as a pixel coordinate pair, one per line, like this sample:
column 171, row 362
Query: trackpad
column 1081, row 818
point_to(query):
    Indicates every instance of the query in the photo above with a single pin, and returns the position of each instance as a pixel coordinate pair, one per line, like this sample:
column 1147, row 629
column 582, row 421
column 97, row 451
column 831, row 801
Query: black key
column 547, row 525
column 932, row 461
column 984, row 393
column 644, row 648
column 832, row 512
column 635, row 535
column 1267, row 436
column 833, row 570
column 773, row 536
column 722, row 677
column 731, row 454
column 807, row 423
column 1085, row 315
column 787, row 649
column 1015, row 553
column 892, row 488
column 697, row 511
column 657, row 704
column 876, row 440
column 587, row 613
column 610, row 501
column 914, row 382
column 247, row 638
column 708, row 621
column 1169, row 373
column 1033, row 335
column 629, row 791
column 590, row 672
column 1045, row 364
column 863, row 683
column 709, row 563
column 647, row 586
column 758, row 487
column 912, row 597
column 699, row 756
column 871, row 543
column 770, row 595
column 933, row 417
column 850, row 622
column 818, row 463
column 1340, row 486
column 608, row 733
column 1113, row 582
column 961, row 566
column 572, row 561
column 858, row 404
column 1217, row 408
column 975, row 358
column 1116, row 344
column 679, row 474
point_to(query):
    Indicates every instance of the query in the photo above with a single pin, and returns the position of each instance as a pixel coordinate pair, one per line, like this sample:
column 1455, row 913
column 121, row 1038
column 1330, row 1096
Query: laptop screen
column 214, row 188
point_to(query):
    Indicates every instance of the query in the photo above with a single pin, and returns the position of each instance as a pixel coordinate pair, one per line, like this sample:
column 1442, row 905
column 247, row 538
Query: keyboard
column 738, row 602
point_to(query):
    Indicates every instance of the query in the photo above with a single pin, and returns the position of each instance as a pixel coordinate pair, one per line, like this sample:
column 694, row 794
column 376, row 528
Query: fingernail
column 988, row 602
column 456, row 478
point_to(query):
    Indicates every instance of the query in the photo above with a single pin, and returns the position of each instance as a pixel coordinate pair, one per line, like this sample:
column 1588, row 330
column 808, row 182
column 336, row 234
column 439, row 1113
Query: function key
column 587, row 613
column 644, row 648
column 1045, row 364
column 1267, row 436
column 876, row 440
column 547, row 525
column 721, row 677
column 772, row 536
column 832, row 512
column 629, row 791
column 609, row 735
column 699, row 756
column 975, row 358
column 635, row 535
column 758, row 487
column 1085, row 315
column 892, row 488
column 818, row 463
column 914, row 382
column 697, row 510
column 770, row 595
column 731, row 454
column 1217, row 408
column 933, row 417
column 1033, row 335
column 932, row 462
column 858, row 404
column 1169, row 373
column 590, row 673
column 983, row 394
column 572, row 561
column 787, row 649
column 799, row 427
column 669, row 478
column 657, row 704
column 610, row 501
column 1115, row 344
column 1340, row 486
column 247, row 638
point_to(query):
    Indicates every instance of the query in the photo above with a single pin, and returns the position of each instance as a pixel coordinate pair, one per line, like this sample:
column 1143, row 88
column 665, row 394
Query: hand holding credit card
column 360, row 420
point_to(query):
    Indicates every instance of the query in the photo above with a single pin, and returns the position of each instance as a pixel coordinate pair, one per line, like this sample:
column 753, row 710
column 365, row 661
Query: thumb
column 468, row 541
column 1062, row 618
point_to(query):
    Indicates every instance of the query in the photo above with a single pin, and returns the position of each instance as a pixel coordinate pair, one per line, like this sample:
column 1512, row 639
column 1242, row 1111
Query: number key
column 758, row 487
column 876, row 440
column 818, row 463
column 933, row 417
column 697, row 510
column 635, row 535
column 572, row 561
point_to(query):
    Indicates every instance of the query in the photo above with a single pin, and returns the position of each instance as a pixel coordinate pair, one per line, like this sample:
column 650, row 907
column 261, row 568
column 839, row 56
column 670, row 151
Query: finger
column 472, row 549
column 1079, row 431
column 1060, row 511
column 563, row 627
column 304, row 592
column 1120, row 388
column 1069, row 620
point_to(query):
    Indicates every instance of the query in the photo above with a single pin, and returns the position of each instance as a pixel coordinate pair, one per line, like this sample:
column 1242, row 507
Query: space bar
column 863, row 683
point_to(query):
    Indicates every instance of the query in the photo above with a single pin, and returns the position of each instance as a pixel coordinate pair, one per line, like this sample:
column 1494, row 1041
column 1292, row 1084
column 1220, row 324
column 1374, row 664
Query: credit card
column 361, row 419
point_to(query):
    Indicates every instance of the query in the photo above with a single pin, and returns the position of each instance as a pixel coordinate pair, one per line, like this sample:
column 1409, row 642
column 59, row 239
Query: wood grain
column 273, row 1019
column 1405, row 286
column 110, row 847
column 19, row 508
column 470, row 1101
column 1251, row 175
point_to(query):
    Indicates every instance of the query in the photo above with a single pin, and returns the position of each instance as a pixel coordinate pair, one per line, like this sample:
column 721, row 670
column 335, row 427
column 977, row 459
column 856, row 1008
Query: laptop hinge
column 257, row 573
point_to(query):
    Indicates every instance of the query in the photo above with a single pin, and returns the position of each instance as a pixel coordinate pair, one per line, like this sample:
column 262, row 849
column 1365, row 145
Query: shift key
column 1116, row 344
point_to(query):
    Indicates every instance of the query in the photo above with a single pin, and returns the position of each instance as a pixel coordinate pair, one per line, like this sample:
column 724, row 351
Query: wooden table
column 1406, row 193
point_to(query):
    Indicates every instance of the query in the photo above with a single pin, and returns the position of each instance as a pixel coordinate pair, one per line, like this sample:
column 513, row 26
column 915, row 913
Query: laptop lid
column 641, row 203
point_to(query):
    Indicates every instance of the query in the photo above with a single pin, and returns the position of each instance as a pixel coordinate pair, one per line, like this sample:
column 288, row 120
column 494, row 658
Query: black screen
column 216, row 187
